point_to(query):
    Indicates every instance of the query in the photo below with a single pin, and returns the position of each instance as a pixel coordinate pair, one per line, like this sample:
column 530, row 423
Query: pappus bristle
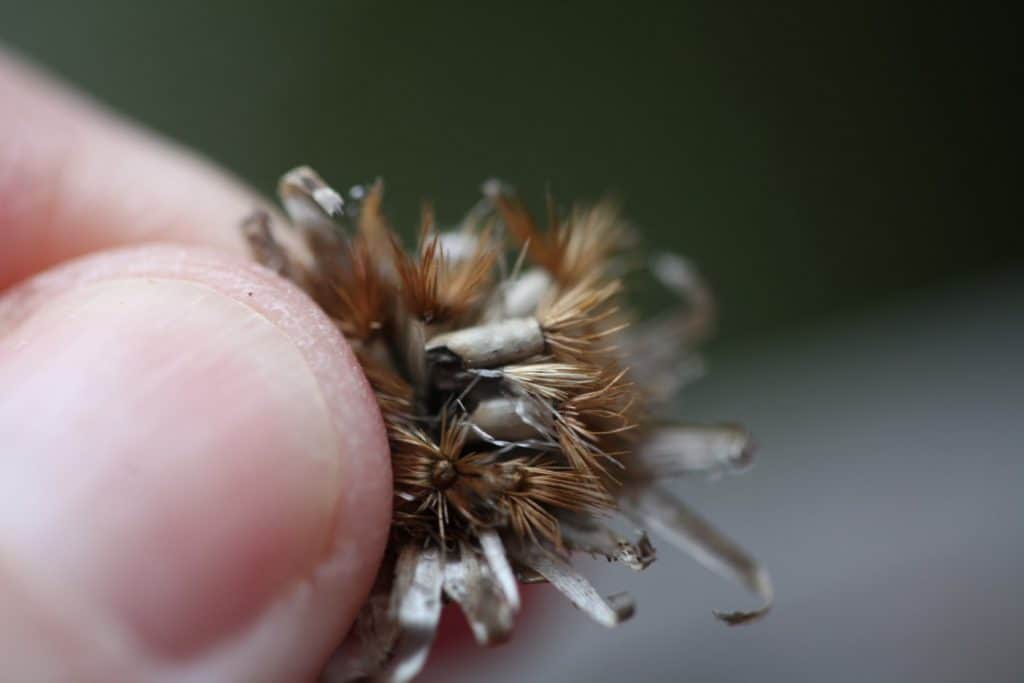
column 572, row 319
column 438, row 287
column 587, row 238
column 589, row 422
column 419, row 273
column 394, row 393
column 362, row 297
column 465, row 281
column 542, row 484
column 570, row 249
column 550, row 380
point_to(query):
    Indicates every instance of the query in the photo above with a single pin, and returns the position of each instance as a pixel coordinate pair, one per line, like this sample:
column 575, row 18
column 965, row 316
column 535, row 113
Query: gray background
column 845, row 173
column 886, row 502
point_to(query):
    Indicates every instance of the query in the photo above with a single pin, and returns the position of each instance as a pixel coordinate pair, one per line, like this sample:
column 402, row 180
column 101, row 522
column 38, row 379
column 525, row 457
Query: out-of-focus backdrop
column 845, row 173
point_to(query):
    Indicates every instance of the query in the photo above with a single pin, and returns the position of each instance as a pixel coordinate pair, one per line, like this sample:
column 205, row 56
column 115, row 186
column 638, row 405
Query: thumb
column 194, row 481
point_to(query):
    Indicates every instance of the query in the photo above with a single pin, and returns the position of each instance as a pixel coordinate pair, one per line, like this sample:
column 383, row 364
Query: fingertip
column 75, row 178
column 219, row 465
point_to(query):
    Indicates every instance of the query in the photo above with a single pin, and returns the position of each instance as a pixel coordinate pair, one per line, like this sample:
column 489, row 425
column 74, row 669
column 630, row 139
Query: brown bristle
column 361, row 295
column 372, row 223
column 547, row 482
column 394, row 393
column 464, row 282
column 544, row 485
column 419, row 277
column 437, row 288
column 589, row 237
column 571, row 249
column 551, row 381
column 590, row 422
column 572, row 320
column 520, row 224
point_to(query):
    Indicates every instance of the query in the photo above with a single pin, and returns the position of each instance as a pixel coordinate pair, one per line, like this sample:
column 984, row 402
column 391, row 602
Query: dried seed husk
column 310, row 202
column 488, row 346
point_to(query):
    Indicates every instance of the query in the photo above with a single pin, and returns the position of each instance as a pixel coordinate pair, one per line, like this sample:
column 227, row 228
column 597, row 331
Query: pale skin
column 194, row 479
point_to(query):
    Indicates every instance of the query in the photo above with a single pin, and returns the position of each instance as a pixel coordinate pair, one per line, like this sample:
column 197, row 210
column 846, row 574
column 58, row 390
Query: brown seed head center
column 444, row 474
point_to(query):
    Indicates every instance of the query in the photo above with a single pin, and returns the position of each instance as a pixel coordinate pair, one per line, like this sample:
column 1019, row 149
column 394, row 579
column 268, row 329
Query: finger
column 75, row 179
column 194, row 480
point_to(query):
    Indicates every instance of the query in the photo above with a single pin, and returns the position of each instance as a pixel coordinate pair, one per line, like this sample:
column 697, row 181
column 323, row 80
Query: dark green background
column 810, row 158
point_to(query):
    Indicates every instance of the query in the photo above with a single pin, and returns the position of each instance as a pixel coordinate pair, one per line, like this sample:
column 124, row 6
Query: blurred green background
column 809, row 158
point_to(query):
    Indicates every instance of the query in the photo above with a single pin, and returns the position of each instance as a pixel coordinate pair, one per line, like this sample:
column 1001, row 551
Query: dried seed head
column 516, row 403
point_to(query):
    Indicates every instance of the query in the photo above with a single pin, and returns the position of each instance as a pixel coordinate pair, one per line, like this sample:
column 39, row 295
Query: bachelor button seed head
column 520, row 406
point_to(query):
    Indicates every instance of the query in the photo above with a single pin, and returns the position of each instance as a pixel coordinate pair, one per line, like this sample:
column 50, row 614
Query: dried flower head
column 521, row 406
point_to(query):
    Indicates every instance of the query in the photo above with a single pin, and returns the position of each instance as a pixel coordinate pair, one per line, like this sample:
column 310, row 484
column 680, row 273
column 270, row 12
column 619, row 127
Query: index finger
column 75, row 178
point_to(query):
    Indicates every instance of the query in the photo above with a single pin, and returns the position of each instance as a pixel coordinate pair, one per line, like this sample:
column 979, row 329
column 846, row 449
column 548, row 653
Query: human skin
column 194, row 478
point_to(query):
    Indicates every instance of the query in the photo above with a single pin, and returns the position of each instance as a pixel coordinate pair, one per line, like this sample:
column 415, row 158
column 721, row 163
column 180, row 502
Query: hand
column 194, row 479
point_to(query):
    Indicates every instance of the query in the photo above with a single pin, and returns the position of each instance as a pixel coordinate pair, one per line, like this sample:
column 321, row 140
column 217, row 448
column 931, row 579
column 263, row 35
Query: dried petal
column 416, row 607
column 469, row 582
column 586, row 534
column 497, row 560
column 695, row 449
column 309, row 201
column 607, row 612
column 680, row 276
column 676, row 523
column 661, row 352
